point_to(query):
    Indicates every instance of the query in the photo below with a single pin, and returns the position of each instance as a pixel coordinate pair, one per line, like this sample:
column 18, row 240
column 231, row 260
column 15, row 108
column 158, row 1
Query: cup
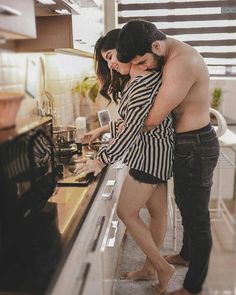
column 80, row 123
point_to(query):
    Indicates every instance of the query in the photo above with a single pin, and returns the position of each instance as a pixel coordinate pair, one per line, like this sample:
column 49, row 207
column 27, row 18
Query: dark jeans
column 196, row 156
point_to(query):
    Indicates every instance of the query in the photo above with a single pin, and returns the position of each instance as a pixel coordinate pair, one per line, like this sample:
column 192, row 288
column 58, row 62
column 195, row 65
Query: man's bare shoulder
column 180, row 67
column 183, row 61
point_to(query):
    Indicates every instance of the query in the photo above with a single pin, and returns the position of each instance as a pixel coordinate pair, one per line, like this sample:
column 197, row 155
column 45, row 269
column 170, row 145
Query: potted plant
column 216, row 102
column 216, row 98
column 88, row 89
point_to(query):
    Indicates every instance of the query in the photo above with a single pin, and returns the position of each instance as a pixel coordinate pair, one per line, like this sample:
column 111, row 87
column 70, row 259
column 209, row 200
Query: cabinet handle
column 109, row 189
column 7, row 10
column 108, row 195
column 98, row 231
column 83, row 277
column 111, row 242
column 118, row 165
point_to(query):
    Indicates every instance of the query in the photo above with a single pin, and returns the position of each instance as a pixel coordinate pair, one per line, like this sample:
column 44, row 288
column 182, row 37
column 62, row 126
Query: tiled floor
column 221, row 278
column 222, row 273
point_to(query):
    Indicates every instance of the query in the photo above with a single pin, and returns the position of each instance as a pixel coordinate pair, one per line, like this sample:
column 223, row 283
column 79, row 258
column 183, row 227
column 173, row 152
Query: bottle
column 80, row 124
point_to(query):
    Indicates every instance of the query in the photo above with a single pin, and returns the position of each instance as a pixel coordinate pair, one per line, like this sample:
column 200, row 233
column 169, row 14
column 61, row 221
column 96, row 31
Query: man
column 185, row 92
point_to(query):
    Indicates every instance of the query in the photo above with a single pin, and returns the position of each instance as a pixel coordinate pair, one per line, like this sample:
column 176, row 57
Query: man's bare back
column 184, row 90
column 193, row 112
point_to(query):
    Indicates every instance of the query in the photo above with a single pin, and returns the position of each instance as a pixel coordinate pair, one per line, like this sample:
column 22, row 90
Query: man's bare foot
column 164, row 278
column 183, row 291
column 176, row 259
column 139, row 275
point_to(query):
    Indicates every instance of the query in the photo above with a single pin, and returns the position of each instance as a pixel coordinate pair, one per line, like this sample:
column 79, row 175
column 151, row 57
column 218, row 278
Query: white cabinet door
column 82, row 269
column 110, row 250
column 91, row 264
column 17, row 19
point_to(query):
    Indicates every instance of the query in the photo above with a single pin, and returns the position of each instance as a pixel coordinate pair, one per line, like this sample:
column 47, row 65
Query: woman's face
column 112, row 62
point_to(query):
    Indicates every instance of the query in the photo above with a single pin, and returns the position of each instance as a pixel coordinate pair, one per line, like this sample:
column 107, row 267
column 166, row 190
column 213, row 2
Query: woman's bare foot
column 176, row 259
column 139, row 275
column 164, row 278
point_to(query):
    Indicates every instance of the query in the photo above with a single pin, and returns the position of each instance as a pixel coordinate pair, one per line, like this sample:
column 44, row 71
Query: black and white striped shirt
column 147, row 151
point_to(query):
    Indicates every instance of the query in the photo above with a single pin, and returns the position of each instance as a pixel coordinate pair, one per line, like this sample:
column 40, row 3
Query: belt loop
column 198, row 139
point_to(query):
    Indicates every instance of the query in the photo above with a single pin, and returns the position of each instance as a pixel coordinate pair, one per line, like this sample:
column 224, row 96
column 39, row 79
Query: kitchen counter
column 37, row 250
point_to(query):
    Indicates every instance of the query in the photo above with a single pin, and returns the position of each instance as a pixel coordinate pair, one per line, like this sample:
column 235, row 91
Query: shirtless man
column 185, row 93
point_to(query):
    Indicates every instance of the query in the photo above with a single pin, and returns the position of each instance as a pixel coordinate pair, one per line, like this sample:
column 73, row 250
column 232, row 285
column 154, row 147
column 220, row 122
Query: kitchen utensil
column 96, row 143
column 64, row 134
column 76, row 180
column 93, row 144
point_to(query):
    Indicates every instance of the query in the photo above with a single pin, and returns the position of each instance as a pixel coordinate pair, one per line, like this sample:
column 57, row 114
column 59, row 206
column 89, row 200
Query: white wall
column 228, row 109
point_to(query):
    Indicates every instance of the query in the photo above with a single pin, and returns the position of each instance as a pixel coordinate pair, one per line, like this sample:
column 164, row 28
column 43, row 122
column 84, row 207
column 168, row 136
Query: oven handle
column 111, row 242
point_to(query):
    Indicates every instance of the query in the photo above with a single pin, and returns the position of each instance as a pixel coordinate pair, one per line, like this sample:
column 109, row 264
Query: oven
column 27, row 174
column 27, row 180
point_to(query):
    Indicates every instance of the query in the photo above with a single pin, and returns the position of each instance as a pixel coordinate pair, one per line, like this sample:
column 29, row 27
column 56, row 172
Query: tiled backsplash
column 12, row 78
column 62, row 72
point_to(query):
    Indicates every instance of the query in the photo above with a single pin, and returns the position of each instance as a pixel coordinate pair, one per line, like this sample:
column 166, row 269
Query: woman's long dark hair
column 112, row 82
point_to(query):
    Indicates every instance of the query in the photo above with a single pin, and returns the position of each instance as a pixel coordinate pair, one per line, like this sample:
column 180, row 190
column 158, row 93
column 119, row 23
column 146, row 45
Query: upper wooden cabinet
column 52, row 32
column 17, row 19
column 73, row 33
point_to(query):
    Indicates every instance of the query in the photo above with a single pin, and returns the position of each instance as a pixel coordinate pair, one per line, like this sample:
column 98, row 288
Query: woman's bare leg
column 157, row 207
column 134, row 195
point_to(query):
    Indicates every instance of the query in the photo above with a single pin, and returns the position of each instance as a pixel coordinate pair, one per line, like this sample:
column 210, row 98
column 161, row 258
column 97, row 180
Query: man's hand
column 120, row 128
column 88, row 166
column 148, row 128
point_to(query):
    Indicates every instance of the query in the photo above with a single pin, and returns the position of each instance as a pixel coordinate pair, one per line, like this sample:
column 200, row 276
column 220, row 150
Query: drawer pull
column 111, row 242
column 109, row 189
column 118, row 165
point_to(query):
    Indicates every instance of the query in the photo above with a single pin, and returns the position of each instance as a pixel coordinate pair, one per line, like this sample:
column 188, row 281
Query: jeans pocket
column 208, row 166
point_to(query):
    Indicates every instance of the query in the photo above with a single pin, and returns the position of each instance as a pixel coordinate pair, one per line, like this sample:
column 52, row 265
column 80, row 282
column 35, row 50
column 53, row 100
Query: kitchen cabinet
column 74, row 34
column 92, row 262
column 52, row 32
column 81, row 270
column 110, row 251
column 17, row 19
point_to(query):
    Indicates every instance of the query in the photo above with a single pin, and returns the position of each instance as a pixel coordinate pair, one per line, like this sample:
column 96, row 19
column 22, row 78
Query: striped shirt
column 147, row 151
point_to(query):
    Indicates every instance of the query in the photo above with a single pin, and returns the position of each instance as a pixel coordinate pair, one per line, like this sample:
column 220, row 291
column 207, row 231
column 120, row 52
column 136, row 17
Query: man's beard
column 159, row 60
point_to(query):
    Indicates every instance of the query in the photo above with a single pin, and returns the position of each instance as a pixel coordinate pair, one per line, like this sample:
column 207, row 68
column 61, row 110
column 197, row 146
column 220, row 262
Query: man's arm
column 140, row 100
column 178, row 77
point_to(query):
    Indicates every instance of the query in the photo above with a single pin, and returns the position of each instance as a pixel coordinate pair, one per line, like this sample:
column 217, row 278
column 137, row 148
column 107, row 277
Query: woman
column 147, row 153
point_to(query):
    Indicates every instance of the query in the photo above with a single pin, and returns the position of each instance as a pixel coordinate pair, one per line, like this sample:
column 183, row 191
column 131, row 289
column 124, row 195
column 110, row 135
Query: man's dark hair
column 136, row 38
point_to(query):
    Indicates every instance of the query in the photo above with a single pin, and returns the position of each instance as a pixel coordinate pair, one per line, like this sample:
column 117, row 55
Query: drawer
column 17, row 19
column 112, row 186
column 84, row 263
column 110, row 250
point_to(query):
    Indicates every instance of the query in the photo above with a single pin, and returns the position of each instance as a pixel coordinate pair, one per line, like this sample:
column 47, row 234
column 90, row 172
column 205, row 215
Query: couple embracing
column 162, row 88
